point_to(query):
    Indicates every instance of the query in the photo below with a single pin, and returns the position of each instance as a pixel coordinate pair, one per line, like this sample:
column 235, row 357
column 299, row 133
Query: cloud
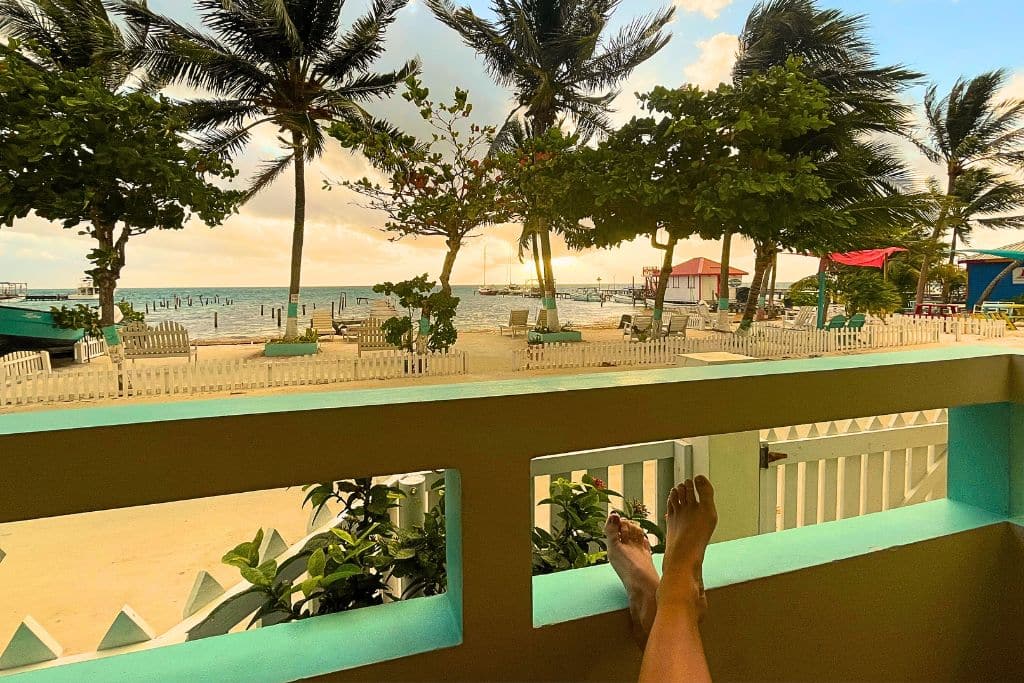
column 714, row 65
column 709, row 8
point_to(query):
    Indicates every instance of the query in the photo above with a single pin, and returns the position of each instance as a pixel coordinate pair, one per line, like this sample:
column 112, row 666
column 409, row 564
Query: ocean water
column 238, row 308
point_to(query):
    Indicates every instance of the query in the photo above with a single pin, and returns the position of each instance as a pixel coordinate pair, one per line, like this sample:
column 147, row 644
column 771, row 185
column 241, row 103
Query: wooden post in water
column 332, row 310
column 215, row 320
column 261, row 310
column 279, row 317
column 303, row 309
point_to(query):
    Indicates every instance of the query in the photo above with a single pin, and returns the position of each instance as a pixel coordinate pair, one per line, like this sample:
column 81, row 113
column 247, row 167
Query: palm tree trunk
column 762, row 258
column 292, row 327
column 762, row 298
column 724, row 322
column 952, row 247
column 549, row 279
column 775, row 273
column 995, row 281
column 666, row 272
column 940, row 224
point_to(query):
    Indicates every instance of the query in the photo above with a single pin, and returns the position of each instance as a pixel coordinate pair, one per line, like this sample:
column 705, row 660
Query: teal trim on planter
column 293, row 310
column 424, row 326
column 985, row 456
column 548, row 302
column 111, row 335
column 658, row 315
column 84, row 418
column 535, row 337
column 297, row 349
column 596, row 590
column 723, row 303
column 301, row 649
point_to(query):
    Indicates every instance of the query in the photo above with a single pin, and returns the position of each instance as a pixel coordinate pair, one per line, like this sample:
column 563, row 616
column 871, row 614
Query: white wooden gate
column 811, row 475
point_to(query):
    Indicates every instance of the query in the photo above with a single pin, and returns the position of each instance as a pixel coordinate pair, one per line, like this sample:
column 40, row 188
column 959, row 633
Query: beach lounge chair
column 518, row 321
column 676, row 326
column 837, row 323
column 166, row 340
column 370, row 337
column 856, row 322
column 322, row 323
column 639, row 328
column 805, row 317
column 542, row 319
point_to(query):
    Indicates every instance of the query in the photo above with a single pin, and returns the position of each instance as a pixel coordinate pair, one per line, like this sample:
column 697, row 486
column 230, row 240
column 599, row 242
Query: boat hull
column 27, row 329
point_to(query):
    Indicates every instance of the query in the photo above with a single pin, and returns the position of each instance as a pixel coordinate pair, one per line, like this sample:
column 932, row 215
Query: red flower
column 599, row 483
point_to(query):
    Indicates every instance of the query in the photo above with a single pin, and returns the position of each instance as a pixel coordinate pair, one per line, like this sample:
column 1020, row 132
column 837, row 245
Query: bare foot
column 629, row 553
column 691, row 521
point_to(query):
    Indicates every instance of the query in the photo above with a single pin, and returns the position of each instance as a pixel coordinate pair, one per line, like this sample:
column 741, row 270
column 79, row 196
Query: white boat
column 86, row 291
column 13, row 292
column 590, row 294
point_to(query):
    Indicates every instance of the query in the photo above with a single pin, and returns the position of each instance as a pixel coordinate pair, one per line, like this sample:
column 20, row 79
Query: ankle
column 684, row 595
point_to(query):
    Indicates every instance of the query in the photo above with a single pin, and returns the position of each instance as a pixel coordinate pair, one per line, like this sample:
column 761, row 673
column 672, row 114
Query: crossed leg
column 666, row 614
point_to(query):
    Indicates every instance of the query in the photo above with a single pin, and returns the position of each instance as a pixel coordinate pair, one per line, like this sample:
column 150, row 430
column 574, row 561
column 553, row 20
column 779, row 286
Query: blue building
column 983, row 268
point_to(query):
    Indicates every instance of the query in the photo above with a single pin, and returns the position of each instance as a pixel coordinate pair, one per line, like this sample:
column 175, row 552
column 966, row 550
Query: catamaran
column 13, row 292
column 86, row 291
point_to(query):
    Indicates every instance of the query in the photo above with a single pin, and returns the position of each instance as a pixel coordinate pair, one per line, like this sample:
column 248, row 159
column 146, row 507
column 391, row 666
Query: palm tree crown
column 554, row 55
column 65, row 35
column 279, row 62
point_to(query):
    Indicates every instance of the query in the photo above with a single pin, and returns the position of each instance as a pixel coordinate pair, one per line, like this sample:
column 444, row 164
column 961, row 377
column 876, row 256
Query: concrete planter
column 535, row 337
column 298, row 349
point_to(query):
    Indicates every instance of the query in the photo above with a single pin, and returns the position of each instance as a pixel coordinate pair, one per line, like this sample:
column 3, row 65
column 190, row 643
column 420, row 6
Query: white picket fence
column 142, row 379
column 20, row 364
column 763, row 341
column 987, row 329
column 850, row 468
column 88, row 348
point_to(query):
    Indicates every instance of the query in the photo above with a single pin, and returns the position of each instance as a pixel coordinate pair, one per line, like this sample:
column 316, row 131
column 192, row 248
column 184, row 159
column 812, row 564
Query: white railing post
column 731, row 461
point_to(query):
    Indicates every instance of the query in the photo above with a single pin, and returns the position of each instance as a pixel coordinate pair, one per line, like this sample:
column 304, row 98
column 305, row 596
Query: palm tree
column 66, row 35
column 555, row 56
column 283, row 63
column 834, row 51
column 969, row 130
column 73, row 35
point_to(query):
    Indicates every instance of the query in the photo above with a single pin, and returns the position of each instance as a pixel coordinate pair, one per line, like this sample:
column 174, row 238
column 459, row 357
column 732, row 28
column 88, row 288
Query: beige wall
column 949, row 609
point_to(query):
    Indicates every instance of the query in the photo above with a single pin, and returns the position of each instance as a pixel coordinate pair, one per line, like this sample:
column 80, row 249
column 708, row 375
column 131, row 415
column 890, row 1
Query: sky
column 944, row 39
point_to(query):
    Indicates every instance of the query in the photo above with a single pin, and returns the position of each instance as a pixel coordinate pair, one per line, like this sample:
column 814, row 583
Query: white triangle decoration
column 30, row 644
column 272, row 545
column 128, row 629
column 813, row 432
column 204, row 590
column 319, row 518
column 898, row 421
column 921, row 419
column 854, row 427
column 876, row 424
column 832, row 429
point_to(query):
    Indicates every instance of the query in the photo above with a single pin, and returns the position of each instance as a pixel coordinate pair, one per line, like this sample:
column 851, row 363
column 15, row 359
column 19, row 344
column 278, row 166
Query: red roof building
column 697, row 280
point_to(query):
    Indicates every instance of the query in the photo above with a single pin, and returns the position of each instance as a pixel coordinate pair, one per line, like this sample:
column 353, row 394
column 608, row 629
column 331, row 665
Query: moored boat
column 85, row 291
column 13, row 292
column 590, row 294
column 29, row 329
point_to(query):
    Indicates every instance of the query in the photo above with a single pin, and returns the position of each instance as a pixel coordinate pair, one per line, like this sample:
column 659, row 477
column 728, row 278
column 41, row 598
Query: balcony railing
column 487, row 437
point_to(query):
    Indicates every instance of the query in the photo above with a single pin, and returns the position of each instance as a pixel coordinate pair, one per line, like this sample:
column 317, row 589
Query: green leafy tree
column 557, row 57
column 113, row 165
column 865, row 98
column 972, row 133
column 284, row 63
column 437, row 309
column 445, row 187
column 863, row 290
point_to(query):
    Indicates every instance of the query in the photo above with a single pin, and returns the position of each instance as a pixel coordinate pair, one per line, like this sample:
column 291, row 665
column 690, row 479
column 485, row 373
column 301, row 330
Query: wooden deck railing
column 487, row 438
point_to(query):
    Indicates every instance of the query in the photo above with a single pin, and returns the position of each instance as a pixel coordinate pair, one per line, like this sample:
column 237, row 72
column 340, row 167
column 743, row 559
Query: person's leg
column 629, row 553
column 674, row 651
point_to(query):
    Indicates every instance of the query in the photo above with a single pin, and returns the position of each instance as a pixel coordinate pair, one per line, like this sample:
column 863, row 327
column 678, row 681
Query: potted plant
column 544, row 335
column 305, row 345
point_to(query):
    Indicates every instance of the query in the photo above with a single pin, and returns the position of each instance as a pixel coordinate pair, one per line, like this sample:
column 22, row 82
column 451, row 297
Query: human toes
column 705, row 490
column 689, row 494
column 613, row 527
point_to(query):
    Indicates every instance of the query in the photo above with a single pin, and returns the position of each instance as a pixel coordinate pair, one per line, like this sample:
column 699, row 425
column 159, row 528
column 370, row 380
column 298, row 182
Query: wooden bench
column 166, row 340
column 370, row 337
column 24, row 363
column 323, row 323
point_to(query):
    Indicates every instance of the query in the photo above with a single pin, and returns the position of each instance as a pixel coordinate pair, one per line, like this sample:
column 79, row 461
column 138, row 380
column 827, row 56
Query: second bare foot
column 629, row 553
column 691, row 520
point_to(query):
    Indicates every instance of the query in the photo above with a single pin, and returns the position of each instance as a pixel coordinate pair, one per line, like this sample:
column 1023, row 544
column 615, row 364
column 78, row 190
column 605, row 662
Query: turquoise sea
column 241, row 319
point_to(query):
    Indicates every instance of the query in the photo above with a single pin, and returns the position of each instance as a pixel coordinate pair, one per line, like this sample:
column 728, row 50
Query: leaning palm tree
column 556, row 57
column 970, row 129
column 834, row 51
column 283, row 63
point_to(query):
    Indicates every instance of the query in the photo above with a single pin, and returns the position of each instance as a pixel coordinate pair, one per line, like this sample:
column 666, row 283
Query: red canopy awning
column 868, row 258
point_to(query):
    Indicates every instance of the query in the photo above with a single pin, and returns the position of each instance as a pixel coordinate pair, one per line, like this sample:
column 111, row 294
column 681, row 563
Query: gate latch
column 768, row 457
